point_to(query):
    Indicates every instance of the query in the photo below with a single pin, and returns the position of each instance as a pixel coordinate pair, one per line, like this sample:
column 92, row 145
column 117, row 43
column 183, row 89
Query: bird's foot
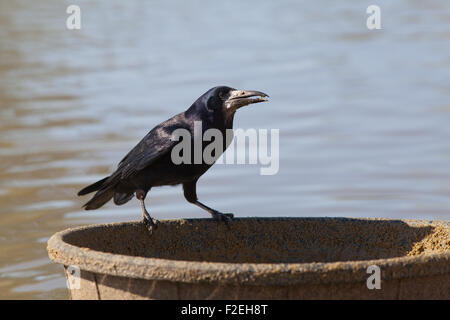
column 151, row 224
column 225, row 217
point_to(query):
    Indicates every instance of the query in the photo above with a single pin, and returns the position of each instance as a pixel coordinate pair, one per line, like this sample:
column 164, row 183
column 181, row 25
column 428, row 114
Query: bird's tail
column 105, row 191
column 100, row 198
column 93, row 187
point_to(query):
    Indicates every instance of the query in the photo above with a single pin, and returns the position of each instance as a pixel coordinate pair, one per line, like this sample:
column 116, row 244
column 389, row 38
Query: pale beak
column 240, row 98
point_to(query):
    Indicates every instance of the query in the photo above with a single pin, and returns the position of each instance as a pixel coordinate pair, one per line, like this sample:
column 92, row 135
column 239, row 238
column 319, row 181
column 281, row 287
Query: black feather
column 99, row 199
column 122, row 198
column 93, row 187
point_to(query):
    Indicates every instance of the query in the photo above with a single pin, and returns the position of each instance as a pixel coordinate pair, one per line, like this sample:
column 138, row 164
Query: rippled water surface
column 363, row 115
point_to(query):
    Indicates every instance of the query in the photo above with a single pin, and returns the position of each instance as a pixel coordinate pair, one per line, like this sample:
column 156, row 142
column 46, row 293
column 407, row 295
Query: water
column 363, row 115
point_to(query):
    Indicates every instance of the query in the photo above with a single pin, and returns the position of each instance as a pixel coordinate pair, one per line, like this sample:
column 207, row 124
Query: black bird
column 149, row 164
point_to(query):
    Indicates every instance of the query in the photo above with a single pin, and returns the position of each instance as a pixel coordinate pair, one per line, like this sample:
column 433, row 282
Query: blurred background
column 363, row 114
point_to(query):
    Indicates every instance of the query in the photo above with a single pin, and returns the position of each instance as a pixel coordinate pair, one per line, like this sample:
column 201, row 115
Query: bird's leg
column 149, row 222
column 219, row 216
column 190, row 193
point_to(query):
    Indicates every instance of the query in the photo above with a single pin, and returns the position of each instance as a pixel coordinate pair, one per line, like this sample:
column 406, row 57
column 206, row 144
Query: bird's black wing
column 154, row 145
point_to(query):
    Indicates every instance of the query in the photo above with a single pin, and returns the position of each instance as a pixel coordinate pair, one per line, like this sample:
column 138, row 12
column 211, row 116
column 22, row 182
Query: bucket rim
column 151, row 268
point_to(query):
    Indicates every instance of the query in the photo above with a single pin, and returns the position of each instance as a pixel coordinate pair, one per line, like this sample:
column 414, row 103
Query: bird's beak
column 240, row 98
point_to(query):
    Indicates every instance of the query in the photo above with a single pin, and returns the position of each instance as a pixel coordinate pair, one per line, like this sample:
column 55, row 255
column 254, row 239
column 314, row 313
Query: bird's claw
column 151, row 224
column 225, row 217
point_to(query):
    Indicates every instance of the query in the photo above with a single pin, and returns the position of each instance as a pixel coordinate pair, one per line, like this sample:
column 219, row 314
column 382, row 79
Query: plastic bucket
column 257, row 258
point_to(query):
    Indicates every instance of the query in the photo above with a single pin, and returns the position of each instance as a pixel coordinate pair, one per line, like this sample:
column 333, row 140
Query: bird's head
column 227, row 100
column 230, row 99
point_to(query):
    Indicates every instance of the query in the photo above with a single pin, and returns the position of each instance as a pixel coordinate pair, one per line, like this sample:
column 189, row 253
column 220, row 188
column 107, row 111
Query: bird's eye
column 222, row 95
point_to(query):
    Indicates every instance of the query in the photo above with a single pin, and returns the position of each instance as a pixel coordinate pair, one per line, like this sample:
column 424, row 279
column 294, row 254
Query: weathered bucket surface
column 258, row 258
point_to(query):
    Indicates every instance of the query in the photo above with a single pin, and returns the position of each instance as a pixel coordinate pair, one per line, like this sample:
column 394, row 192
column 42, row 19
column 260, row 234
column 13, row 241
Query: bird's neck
column 228, row 120
column 214, row 119
column 220, row 120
